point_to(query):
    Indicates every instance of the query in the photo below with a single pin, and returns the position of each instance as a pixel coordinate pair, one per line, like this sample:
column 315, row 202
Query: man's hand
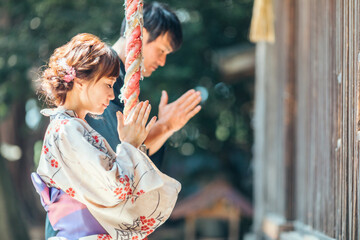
column 172, row 117
column 176, row 114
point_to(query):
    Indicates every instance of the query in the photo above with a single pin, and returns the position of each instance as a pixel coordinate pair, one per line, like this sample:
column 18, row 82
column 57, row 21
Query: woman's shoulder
column 58, row 112
column 65, row 124
column 63, row 120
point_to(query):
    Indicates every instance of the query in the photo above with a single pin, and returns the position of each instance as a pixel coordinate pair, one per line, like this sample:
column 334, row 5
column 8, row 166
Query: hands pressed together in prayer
column 171, row 118
column 133, row 129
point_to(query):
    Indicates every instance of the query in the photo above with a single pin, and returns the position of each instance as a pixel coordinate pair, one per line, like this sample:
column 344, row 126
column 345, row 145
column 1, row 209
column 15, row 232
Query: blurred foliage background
column 214, row 144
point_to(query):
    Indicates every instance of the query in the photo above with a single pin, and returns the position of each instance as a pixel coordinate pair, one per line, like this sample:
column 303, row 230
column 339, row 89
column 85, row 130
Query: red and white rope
column 133, row 62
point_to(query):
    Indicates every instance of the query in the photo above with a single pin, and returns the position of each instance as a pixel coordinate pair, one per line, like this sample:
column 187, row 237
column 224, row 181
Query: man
column 162, row 35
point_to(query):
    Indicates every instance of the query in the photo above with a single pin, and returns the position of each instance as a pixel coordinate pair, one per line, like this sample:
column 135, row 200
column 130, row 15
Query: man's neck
column 119, row 47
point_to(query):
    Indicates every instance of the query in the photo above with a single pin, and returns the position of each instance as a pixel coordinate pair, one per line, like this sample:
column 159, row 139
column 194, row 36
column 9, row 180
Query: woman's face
column 97, row 95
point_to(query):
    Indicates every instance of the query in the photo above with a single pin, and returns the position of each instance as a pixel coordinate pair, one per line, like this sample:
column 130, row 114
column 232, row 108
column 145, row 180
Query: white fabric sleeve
column 94, row 173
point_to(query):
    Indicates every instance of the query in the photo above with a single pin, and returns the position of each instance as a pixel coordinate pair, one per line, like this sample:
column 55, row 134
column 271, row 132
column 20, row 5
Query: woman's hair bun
column 85, row 57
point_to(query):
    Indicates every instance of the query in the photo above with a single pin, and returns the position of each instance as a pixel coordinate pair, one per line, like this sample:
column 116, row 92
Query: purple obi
column 68, row 216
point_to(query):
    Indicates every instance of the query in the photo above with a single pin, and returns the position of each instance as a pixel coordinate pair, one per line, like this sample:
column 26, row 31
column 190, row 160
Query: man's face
column 155, row 52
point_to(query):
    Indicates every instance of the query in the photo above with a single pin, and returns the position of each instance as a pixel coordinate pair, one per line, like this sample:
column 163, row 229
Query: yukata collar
column 48, row 112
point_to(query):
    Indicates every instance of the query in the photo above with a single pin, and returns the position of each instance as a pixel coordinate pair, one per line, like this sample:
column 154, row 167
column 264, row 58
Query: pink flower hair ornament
column 70, row 71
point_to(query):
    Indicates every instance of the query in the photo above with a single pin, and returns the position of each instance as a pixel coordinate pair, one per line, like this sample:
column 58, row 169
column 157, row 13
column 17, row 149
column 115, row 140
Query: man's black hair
column 158, row 20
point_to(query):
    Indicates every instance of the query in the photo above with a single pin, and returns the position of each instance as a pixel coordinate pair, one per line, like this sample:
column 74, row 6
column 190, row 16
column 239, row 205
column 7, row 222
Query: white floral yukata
column 123, row 191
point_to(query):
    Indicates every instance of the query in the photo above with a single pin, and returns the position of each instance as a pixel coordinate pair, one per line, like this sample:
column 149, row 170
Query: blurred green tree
column 29, row 32
column 217, row 142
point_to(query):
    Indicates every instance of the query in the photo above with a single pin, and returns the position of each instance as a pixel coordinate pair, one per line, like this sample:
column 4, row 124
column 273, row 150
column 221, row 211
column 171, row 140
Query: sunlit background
column 213, row 151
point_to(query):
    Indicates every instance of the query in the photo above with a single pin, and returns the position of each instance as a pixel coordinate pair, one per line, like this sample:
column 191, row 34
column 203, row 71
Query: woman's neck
column 72, row 102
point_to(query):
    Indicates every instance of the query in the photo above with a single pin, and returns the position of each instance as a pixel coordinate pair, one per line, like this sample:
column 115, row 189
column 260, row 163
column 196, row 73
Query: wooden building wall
column 307, row 122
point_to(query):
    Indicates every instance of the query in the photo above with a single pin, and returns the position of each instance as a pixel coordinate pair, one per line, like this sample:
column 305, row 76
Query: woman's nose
column 112, row 95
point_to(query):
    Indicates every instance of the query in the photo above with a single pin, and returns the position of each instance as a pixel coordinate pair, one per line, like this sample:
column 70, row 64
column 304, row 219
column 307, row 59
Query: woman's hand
column 133, row 129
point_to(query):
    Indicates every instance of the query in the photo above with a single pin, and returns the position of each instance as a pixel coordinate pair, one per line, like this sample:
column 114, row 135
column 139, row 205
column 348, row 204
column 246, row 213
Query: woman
column 89, row 191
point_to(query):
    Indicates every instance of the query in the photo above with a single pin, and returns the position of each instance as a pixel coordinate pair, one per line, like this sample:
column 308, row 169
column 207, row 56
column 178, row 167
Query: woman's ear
column 79, row 83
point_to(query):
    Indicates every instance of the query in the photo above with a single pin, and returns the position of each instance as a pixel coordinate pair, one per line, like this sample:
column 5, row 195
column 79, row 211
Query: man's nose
column 162, row 61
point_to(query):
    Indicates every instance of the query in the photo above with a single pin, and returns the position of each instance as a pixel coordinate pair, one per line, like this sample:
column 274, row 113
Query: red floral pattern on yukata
column 59, row 123
column 96, row 138
column 45, row 149
column 138, row 194
column 125, row 192
column 49, row 130
column 104, row 237
column 137, row 238
column 70, row 192
column 146, row 224
column 54, row 163
column 65, row 121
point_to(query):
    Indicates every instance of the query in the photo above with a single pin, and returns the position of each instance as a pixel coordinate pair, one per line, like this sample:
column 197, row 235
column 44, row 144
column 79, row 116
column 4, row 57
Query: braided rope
column 133, row 62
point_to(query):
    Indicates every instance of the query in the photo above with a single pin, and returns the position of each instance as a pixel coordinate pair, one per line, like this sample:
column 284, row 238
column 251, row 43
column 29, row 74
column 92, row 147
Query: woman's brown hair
column 91, row 59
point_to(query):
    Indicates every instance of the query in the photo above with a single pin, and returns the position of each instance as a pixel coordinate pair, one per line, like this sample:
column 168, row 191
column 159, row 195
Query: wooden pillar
column 275, row 121
column 290, row 105
column 234, row 223
column 190, row 228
